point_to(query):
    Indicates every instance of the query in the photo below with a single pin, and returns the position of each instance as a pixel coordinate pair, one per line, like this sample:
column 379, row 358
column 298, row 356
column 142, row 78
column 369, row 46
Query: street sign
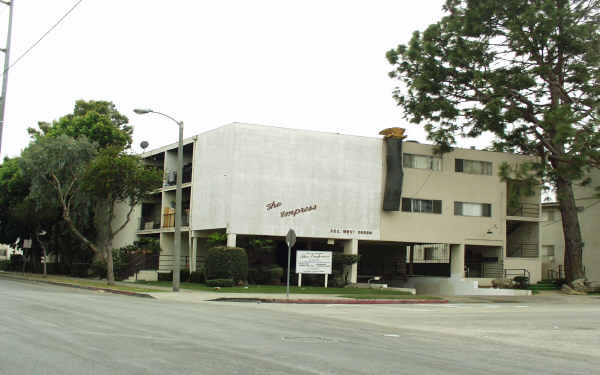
column 290, row 238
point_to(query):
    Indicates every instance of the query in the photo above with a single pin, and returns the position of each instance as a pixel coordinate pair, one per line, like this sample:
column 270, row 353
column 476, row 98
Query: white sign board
column 313, row 262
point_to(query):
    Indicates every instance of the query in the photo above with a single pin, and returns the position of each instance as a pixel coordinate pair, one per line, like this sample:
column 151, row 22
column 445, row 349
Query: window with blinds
column 473, row 166
column 422, row 162
column 431, row 206
column 472, row 209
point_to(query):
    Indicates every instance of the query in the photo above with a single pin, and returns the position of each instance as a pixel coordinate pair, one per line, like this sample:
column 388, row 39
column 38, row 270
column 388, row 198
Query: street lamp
column 178, row 209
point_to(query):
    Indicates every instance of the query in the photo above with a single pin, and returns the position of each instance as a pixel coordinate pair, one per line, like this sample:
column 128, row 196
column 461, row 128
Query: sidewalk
column 195, row 296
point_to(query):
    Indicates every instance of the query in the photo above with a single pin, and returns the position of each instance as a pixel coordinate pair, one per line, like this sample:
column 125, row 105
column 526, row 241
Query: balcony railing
column 169, row 220
column 148, row 224
column 523, row 250
column 524, row 210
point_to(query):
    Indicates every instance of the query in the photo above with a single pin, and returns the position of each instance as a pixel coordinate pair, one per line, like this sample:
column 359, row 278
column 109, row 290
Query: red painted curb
column 354, row 301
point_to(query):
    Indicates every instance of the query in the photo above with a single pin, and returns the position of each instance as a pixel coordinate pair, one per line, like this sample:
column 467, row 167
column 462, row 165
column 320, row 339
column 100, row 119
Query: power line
column 45, row 34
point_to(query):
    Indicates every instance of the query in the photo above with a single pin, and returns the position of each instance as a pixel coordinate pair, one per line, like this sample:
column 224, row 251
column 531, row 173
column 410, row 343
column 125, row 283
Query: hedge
column 227, row 263
column 220, row 283
column 197, row 277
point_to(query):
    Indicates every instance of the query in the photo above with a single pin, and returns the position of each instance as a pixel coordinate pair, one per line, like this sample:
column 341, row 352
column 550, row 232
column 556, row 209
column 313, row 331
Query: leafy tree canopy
column 528, row 71
column 98, row 121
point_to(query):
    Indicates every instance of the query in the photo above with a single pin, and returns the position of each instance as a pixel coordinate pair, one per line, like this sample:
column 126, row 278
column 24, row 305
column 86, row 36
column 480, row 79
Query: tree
column 528, row 71
column 115, row 180
column 57, row 166
column 98, row 121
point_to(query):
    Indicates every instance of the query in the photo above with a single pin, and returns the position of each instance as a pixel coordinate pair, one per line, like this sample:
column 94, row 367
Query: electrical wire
column 44, row 35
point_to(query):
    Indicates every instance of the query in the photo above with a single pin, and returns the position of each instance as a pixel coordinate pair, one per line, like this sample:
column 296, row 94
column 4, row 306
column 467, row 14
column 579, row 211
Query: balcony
column 171, row 176
column 169, row 219
column 523, row 250
column 524, row 210
column 148, row 224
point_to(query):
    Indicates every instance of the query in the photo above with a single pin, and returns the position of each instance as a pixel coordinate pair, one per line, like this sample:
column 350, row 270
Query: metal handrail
column 517, row 272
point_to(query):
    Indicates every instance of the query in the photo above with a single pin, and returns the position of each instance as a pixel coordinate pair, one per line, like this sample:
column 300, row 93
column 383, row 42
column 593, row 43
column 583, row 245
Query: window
column 473, row 166
column 3, row 253
column 428, row 253
column 422, row 205
column 422, row 162
column 472, row 209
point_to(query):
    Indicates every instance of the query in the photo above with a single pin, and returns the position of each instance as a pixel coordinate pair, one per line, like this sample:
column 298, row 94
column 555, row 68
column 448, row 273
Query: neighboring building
column 251, row 180
column 553, row 242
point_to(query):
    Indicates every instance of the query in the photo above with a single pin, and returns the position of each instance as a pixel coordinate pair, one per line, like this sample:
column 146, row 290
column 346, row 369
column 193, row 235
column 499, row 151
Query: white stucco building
column 450, row 227
column 553, row 241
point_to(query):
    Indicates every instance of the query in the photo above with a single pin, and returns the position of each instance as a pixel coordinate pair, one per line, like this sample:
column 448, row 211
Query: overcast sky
column 299, row 64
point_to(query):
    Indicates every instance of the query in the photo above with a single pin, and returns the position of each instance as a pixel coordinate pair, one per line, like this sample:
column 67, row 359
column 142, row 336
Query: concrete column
column 457, row 261
column 193, row 254
column 351, row 247
column 231, row 238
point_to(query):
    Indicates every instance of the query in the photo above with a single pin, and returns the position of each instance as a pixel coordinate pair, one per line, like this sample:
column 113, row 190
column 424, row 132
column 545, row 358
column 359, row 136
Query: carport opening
column 483, row 261
column 428, row 260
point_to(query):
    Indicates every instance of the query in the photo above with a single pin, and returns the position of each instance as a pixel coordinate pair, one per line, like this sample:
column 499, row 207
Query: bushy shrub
column 52, row 268
column 220, row 282
column 340, row 260
column 216, row 239
column 16, row 262
column 98, row 268
column 80, row 269
column 184, row 275
column 270, row 275
column 274, row 275
column 522, row 282
column 197, row 277
column 254, row 276
column 227, row 263
column 165, row 276
column 4, row 265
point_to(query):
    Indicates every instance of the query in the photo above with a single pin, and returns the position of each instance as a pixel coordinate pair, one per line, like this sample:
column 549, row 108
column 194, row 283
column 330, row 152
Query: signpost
column 290, row 240
column 313, row 262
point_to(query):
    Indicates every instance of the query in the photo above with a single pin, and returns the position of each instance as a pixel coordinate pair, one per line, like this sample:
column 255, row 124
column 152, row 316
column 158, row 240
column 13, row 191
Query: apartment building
column 414, row 217
column 553, row 242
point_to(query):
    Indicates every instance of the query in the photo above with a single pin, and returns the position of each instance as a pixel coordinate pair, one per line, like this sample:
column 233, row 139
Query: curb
column 94, row 288
column 335, row 301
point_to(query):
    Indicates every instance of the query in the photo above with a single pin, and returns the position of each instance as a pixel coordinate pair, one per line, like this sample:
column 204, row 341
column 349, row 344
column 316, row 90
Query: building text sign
column 313, row 262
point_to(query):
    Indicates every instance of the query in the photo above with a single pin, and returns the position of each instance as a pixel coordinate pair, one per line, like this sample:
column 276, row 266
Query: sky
column 317, row 65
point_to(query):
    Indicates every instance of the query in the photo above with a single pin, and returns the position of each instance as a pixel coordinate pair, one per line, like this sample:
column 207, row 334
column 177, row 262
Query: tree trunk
column 571, row 230
column 110, row 274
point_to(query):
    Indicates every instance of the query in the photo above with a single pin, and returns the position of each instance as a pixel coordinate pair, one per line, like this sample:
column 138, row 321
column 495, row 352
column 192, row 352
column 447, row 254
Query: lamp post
column 178, row 209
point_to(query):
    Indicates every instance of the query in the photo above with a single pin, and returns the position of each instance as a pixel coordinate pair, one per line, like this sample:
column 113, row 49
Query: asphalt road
column 48, row 329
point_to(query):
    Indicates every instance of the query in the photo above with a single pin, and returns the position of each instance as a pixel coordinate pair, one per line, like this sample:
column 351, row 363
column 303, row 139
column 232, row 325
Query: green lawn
column 79, row 282
column 276, row 289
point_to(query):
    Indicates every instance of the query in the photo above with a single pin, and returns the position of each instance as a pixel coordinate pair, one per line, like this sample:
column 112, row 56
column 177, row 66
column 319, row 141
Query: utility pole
column 6, row 51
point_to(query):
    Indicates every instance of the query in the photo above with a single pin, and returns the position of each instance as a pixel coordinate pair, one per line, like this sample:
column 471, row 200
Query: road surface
column 47, row 329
